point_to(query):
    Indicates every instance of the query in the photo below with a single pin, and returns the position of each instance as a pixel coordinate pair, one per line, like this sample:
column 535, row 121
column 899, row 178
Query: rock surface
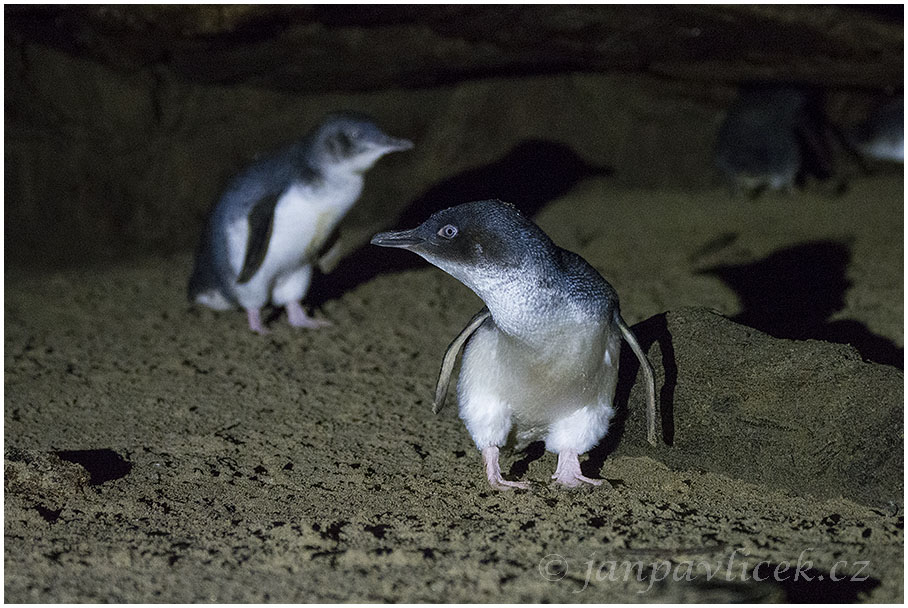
column 804, row 415
column 332, row 48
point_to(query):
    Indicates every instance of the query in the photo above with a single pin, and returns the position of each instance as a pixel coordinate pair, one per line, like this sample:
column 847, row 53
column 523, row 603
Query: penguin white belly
column 560, row 392
column 890, row 148
column 303, row 220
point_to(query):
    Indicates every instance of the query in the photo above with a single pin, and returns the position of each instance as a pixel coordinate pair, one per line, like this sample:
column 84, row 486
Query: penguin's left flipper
column 447, row 363
column 650, row 379
column 261, row 225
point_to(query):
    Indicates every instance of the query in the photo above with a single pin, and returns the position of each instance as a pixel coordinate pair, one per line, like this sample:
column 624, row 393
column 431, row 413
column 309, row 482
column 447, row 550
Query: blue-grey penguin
column 541, row 360
column 272, row 221
column 760, row 142
column 882, row 135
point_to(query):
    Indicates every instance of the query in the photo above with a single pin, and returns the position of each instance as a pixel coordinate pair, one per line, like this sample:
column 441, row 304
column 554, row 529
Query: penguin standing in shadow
column 882, row 135
column 541, row 360
column 771, row 138
column 274, row 219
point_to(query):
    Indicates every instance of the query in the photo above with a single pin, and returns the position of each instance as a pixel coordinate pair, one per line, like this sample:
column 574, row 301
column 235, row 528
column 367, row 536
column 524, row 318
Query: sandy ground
column 155, row 452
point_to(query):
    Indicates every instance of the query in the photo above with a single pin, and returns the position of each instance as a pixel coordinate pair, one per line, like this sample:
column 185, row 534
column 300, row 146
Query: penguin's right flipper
column 648, row 375
column 447, row 363
column 261, row 225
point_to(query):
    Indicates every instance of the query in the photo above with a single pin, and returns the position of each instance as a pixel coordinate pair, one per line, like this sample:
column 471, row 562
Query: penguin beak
column 397, row 144
column 403, row 239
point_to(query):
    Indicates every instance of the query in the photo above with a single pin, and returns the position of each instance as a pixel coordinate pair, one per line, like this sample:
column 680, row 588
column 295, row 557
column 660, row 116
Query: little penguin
column 882, row 135
column 275, row 218
column 759, row 145
column 541, row 359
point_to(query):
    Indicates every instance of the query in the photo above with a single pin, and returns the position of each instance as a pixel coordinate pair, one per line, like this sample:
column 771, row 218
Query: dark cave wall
column 117, row 141
column 99, row 162
column 325, row 48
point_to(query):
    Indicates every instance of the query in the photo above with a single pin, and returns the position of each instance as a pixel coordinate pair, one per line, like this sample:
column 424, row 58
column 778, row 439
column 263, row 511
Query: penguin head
column 353, row 142
column 479, row 243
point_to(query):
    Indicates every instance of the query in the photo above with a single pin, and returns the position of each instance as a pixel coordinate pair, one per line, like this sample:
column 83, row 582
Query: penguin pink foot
column 298, row 317
column 254, row 316
column 493, row 472
column 568, row 473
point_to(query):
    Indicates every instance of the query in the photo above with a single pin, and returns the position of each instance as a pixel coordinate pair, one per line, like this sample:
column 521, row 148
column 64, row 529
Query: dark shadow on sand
column 532, row 174
column 792, row 293
column 519, row 468
column 102, row 465
column 813, row 585
column 648, row 332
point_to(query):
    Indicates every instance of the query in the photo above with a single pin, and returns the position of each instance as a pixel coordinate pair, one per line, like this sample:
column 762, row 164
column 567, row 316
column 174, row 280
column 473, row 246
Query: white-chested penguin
column 882, row 135
column 761, row 142
column 269, row 226
column 541, row 360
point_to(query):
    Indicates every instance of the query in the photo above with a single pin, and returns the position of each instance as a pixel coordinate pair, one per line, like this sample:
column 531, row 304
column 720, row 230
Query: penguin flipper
column 447, row 363
column 261, row 225
column 649, row 377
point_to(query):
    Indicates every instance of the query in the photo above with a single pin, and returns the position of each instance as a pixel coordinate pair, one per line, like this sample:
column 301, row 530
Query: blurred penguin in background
column 272, row 223
column 882, row 135
column 771, row 138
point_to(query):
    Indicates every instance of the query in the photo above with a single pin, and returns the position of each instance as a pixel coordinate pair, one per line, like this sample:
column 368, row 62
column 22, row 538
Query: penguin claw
column 298, row 318
column 311, row 323
column 568, row 474
column 575, row 480
column 504, row 485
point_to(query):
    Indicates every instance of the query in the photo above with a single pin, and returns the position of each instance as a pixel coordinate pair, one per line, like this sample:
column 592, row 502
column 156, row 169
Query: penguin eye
column 448, row 232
